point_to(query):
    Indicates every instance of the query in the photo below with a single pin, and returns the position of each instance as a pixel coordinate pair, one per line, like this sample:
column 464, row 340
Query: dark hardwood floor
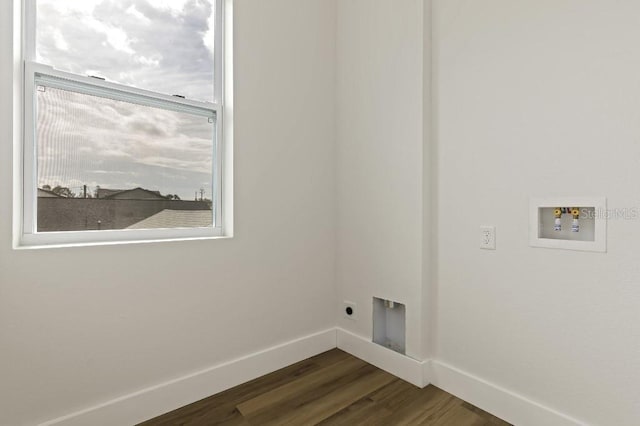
column 333, row 388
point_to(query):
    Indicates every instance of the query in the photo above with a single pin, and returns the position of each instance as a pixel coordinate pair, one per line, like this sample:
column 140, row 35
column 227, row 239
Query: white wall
column 83, row 325
column 379, row 160
column 539, row 98
column 529, row 99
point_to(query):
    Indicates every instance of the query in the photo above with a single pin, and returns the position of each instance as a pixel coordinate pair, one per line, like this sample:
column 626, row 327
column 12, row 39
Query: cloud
column 163, row 46
column 159, row 45
column 124, row 139
column 145, row 127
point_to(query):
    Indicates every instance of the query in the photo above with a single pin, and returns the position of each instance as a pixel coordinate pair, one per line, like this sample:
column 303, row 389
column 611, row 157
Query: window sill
column 22, row 246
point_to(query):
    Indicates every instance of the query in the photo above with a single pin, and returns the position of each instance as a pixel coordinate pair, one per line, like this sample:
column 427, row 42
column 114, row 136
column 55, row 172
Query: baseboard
column 399, row 365
column 153, row 401
column 509, row 406
column 515, row 409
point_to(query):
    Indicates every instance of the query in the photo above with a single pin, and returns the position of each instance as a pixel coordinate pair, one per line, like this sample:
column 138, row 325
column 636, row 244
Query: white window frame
column 33, row 72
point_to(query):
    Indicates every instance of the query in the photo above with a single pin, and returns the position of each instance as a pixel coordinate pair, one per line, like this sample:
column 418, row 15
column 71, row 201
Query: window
column 123, row 126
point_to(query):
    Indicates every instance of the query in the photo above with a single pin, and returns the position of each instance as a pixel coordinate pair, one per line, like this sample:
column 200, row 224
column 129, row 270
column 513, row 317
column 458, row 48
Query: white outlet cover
column 488, row 237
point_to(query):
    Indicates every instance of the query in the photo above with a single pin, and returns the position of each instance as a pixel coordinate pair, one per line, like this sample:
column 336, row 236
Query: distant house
column 104, row 193
column 176, row 219
column 129, row 194
column 43, row 193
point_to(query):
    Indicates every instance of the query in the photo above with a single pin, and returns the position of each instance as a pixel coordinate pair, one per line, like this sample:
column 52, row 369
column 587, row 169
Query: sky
column 160, row 45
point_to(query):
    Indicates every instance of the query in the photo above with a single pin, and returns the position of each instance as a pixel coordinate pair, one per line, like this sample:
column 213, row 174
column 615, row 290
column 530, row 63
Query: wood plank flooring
column 333, row 388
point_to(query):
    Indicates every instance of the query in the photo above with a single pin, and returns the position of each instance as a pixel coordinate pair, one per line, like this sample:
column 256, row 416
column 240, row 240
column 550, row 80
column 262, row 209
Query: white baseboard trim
column 156, row 400
column 509, row 406
column 399, row 365
column 427, row 377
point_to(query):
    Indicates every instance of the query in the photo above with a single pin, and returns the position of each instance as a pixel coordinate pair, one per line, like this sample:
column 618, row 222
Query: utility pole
column 85, row 191
column 201, row 194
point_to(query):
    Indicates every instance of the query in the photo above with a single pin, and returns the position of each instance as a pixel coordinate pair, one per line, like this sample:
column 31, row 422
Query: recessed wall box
column 571, row 223
column 389, row 324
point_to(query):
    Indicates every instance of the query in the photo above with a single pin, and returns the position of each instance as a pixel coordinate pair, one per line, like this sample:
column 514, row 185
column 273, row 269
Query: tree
column 63, row 191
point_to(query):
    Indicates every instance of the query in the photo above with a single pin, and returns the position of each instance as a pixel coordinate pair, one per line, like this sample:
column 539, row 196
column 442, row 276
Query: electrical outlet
column 349, row 310
column 488, row 237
